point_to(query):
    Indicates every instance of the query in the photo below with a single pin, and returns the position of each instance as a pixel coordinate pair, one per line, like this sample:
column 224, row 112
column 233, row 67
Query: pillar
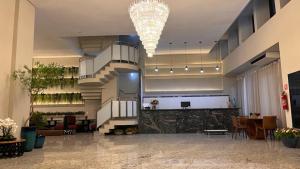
column 16, row 49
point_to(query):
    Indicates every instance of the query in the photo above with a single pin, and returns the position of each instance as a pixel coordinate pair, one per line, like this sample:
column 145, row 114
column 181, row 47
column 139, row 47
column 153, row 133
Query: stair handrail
column 108, row 100
column 119, row 99
column 105, row 57
column 105, row 113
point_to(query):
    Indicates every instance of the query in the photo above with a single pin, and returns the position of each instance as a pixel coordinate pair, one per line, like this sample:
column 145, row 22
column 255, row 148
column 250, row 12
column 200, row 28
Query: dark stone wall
column 185, row 121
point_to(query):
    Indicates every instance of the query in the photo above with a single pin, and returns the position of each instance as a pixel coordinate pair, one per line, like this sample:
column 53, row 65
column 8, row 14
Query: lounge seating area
column 67, row 125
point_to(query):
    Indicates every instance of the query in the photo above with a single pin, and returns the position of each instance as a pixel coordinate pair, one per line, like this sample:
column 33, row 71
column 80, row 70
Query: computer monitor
column 185, row 104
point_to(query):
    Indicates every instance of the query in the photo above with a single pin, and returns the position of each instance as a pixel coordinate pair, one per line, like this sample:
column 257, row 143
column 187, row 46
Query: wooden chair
column 243, row 124
column 269, row 126
column 239, row 124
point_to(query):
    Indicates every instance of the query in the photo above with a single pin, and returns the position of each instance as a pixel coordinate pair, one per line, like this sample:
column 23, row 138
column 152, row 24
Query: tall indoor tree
column 37, row 79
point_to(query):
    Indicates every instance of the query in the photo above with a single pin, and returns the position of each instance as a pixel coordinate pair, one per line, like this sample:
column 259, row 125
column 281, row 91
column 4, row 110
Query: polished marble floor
column 181, row 151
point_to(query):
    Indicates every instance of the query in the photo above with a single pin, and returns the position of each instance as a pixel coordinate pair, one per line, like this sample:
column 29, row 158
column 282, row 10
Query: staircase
column 116, row 113
column 96, row 71
column 99, row 70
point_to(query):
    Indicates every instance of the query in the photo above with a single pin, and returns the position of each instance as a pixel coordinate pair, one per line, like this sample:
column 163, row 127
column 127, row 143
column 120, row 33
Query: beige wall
column 110, row 90
column 183, row 82
column 191, row 86
column 91, row 108
column 283, row 28
column 17, row 29
column 67, row 61
column 7, row 14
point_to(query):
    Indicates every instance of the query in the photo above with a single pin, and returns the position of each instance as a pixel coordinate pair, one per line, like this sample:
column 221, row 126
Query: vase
column 290, row 142
column 153, row 107
column 119, row 132
column 39, row 141
column 29, row 134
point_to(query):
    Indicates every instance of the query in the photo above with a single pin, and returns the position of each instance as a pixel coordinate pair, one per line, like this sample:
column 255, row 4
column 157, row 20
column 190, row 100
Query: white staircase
column 99, row 70
column 116, row 113
column 96, row 71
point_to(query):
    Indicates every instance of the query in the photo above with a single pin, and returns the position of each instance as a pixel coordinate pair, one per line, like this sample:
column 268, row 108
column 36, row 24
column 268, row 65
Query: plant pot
column 39, row 141
column 29, row 134
column 118, row 132
column 290, row 142
column 298, row 143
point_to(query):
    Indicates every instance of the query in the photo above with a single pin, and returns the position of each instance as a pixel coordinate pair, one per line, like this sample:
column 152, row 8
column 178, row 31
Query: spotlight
column 156, row 69
column 186, row 68
column 201, row 70
column 171, row 70
column 217, row 68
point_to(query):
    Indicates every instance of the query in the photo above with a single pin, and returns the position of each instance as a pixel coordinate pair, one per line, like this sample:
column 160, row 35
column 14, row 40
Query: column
column 17, row 27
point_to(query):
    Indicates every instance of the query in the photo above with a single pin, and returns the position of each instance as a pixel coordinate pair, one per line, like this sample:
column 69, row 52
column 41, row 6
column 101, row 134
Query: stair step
column 91, row 91
column 112, row 123
column 90, row 94
column 91, row 98
column 90, row 87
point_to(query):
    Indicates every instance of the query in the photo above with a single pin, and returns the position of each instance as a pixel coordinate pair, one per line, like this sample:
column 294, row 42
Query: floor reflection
column 89, row 151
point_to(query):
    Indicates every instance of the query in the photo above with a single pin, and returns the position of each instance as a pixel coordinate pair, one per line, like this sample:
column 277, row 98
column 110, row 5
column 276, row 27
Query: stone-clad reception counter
column 185, row 120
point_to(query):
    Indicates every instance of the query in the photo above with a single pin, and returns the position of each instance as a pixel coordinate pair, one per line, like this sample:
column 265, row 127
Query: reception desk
column 185, row 120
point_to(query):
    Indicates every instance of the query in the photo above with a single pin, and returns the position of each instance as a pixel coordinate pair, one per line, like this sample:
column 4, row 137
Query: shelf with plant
column 67, row 71
column 64, row 83
column 64, row 90
column 36, row 80
column 73, row 71
column 62, row 113
column 58, row 98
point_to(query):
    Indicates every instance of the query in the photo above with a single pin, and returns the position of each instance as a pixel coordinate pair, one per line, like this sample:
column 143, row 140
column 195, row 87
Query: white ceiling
column 189, row 20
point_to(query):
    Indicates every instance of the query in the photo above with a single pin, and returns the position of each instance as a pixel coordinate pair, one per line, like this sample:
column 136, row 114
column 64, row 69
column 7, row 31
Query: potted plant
column 289, row 136
column 38, row 121
column 154, row 103
column 35, row 81
column 7, row 129
column 131, row 130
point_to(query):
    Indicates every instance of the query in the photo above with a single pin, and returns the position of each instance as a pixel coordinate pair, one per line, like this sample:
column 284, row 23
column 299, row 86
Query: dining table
column 252, row 133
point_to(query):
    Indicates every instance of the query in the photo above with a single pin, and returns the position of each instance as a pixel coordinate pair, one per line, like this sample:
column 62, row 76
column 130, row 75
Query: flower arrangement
column 154, row 102
column 287, row 133
column 7, row 129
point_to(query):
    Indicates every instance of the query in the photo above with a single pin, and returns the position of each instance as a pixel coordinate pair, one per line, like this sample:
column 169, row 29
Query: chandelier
column 149, row 18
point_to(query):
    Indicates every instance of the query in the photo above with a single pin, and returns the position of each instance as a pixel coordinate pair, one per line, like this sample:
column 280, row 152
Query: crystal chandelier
column 149, row 18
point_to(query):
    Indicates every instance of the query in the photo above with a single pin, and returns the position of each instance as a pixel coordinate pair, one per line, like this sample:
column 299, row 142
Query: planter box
column 50, row 132
column 291, row 142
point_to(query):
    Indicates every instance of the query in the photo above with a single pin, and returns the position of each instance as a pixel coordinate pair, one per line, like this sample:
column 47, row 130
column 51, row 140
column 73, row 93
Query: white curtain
column 259, row 92
column 241, row 94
